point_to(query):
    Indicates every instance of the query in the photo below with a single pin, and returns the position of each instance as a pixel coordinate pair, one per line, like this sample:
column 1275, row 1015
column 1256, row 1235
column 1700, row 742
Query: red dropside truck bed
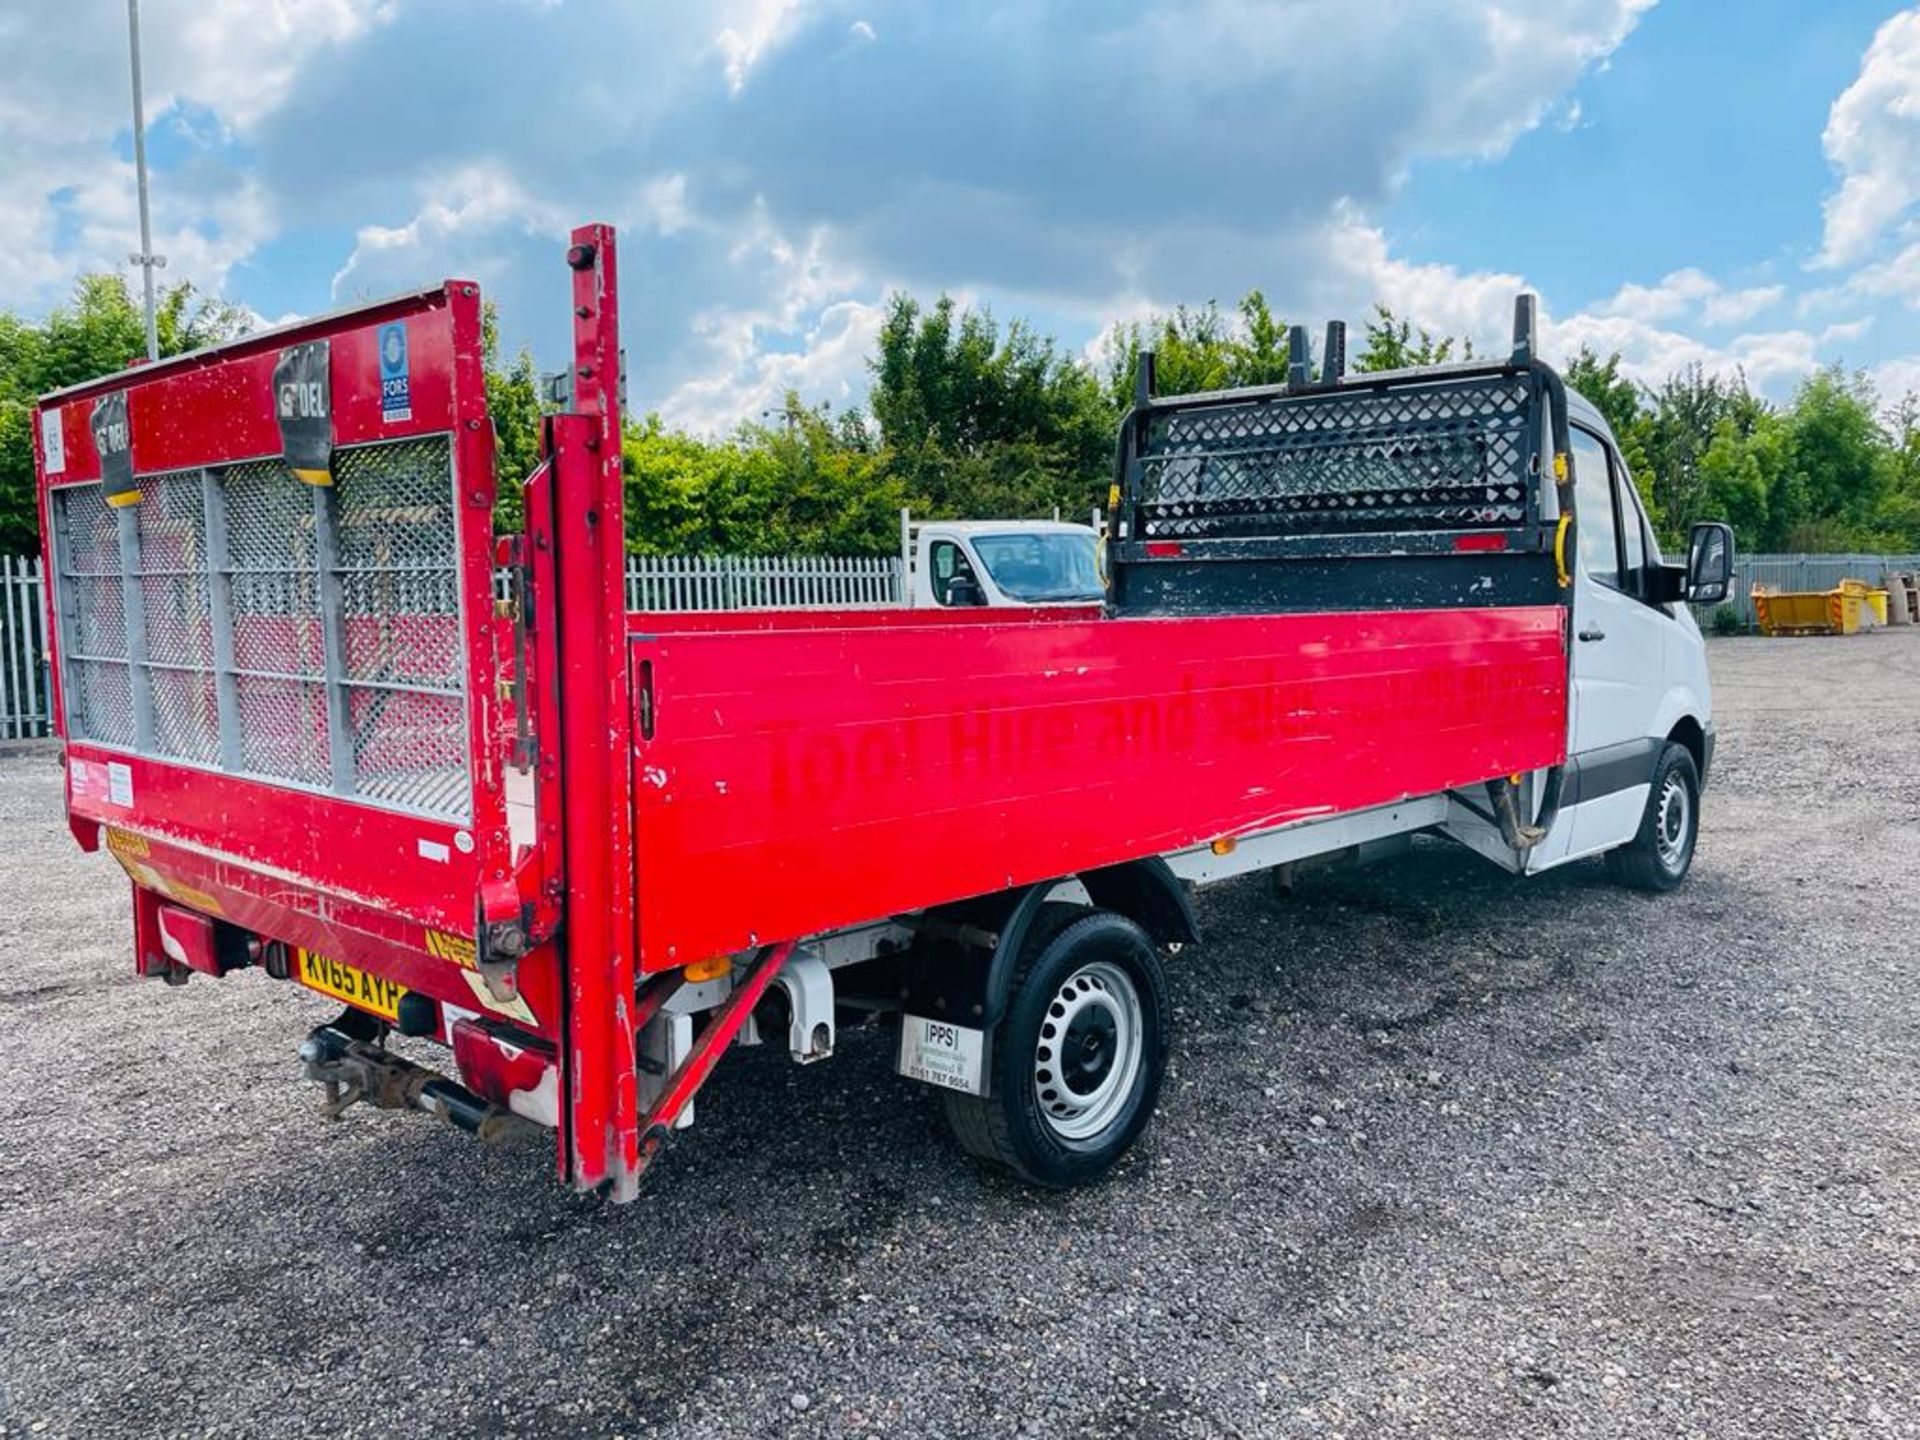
column 806, row 776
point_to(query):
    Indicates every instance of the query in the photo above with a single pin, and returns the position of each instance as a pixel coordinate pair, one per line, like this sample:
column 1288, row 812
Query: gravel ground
column 1443, row 1154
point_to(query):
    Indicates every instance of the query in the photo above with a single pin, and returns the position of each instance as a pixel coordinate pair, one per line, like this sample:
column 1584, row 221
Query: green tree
column 975, row 421
column 1742, row 476
column 99, row 331
column 1621, row 404
column 513, row 399
column 1683, row 415
column 811, row 483
column 1397, row 344
column 1203, row 349
column 1844, row 467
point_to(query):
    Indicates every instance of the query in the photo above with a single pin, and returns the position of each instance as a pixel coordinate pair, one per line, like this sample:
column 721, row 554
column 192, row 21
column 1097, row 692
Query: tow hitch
column 356, row 1067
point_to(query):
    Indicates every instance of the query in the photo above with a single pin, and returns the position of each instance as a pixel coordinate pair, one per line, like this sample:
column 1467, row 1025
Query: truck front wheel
column 1659, row 856
column 1077, row 1058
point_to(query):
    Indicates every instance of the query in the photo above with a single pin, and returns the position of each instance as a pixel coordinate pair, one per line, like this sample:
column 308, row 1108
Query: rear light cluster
column 170, row 940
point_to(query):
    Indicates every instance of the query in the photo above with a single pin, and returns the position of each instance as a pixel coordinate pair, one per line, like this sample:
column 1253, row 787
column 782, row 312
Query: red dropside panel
column 798, row 780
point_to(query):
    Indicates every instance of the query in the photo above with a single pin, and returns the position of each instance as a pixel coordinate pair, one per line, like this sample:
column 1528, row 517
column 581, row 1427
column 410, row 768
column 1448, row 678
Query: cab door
column 1620, row 646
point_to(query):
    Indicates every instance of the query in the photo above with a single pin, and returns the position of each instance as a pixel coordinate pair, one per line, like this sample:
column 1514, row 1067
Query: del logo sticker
column 396, row 383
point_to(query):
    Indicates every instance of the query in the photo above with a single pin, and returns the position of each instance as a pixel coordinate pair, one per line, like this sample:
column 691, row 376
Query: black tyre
column 1659, row 856
column 1077, row 1057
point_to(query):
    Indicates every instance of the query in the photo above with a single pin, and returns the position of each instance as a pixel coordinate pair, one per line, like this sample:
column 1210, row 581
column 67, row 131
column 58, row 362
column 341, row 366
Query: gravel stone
column 1632, row 1167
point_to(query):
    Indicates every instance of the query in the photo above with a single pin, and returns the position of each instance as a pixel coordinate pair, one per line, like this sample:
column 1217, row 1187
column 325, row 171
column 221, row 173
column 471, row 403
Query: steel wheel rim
column 1671, row 822
column 1089, row 1052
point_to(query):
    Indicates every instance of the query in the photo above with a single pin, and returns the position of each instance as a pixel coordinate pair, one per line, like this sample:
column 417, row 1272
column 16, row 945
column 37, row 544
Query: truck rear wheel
column 1659, row 856
column 1077, row 1058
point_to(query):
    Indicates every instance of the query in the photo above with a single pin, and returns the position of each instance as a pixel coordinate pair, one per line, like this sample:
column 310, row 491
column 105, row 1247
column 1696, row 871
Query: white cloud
column 1843, row 331
column 213, row 68
column 1873, row 140
column 1896, row 379
column 1736, row 307
column 743, row 378
column 455, row 230
column 1691, row 292
column 1896, row 278
column 1649, row 353
column 761, row 26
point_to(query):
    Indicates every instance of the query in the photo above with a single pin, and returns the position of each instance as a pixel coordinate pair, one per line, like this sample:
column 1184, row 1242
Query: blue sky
column 1690, row 181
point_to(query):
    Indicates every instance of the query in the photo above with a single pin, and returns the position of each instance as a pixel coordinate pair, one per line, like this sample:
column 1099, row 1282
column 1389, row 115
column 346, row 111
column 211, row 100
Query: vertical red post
column 596, row 735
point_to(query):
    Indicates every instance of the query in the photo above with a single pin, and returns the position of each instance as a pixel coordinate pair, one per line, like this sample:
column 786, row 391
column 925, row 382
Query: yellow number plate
column 373, row 993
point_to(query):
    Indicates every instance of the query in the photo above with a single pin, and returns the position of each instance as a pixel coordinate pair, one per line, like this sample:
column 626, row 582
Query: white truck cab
column 1640, row 731
column 1003, row 563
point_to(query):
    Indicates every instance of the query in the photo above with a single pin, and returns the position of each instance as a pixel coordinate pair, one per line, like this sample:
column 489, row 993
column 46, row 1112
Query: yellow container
column 1793, row 612
column 1843, row 610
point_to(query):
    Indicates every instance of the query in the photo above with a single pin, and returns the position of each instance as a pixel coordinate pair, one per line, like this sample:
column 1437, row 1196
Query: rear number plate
column 950, row 1056
column 373, row 993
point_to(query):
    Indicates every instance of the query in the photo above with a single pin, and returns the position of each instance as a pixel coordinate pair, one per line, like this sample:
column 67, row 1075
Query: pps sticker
column 303, row 404
column 114, row 441
column 396, row 381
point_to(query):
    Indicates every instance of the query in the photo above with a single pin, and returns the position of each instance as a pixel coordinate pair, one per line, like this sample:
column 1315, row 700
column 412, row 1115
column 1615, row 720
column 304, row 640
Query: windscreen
column 1036, row 568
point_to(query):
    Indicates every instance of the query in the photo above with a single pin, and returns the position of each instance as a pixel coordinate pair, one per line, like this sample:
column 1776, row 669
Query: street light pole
column 146, row 259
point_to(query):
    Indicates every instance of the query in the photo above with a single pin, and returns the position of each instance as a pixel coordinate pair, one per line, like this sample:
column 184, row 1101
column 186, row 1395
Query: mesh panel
column 186, row 716
column 283, row 729
column 90, row 532
column 273, row 589
column 401, row 622
column 99, row 702
column 172, row 521
column 92, row 616
column 399, row 665
column 1442, row 457
column 98, row 620
column 410, row 748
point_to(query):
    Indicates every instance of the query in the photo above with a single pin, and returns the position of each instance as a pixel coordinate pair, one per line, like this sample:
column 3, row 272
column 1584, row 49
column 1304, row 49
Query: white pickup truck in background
column 1000, row 563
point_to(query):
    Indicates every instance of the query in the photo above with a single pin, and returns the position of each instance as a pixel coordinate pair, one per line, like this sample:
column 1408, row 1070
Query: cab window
column 947, row 561
column 1593, row 509
column 1633, row 538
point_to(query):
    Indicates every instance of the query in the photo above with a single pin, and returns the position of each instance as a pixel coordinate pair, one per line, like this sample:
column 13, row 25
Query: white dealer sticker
column 950, row 1056
column 53, row 442
column 120, row 783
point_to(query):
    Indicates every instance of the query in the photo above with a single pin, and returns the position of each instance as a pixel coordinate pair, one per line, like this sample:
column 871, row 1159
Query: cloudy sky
column 1678, row 188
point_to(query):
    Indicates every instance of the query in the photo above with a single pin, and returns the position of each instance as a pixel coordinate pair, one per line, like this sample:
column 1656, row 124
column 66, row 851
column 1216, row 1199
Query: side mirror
column 964, row 590
column 1709, row 562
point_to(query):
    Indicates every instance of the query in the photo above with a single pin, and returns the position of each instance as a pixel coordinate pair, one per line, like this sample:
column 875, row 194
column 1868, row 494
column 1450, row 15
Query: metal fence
column 762, row 582
column 1800, row 572
column 26, row 691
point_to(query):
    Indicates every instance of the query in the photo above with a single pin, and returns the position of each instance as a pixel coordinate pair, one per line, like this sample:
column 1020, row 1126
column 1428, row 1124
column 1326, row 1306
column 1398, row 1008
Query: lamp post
column 145, row 259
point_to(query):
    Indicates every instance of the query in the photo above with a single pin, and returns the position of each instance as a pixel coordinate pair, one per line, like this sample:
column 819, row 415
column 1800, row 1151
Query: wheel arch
column 1146, row 891
column 1692, row 735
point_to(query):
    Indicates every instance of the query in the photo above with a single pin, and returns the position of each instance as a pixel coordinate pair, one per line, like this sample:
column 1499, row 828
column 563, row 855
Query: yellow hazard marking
column 450, row 947
column 125, row 842
column 124, row 498
column 313, row 477
column 178, row 891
